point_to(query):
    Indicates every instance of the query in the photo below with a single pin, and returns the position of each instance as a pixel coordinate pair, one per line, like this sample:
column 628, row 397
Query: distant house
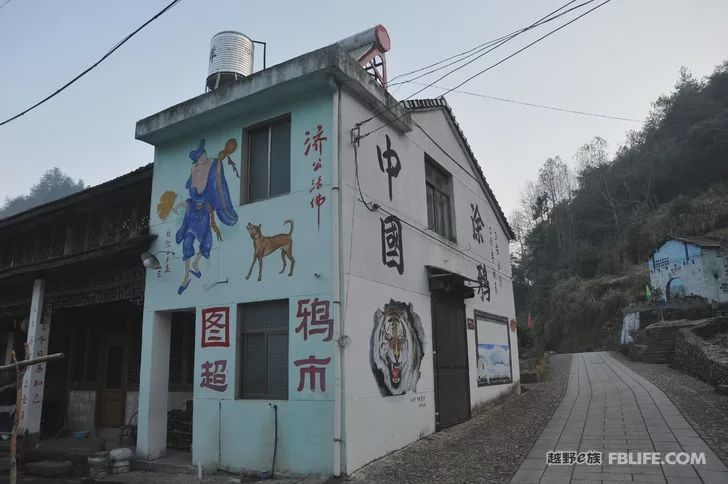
column 690, row 267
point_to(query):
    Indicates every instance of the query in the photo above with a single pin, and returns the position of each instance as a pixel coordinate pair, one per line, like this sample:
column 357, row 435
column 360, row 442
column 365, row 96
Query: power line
column 4, row 3
column 491, row 66
column 103, row 58
column 570, row 111
column 526, row 47
column 502, row 40
column 498, row 44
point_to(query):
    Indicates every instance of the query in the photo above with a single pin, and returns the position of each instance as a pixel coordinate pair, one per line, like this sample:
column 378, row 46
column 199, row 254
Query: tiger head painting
column 397, row 347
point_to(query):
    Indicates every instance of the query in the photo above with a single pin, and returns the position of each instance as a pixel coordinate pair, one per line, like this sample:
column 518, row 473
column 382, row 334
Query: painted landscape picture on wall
column 494, row 364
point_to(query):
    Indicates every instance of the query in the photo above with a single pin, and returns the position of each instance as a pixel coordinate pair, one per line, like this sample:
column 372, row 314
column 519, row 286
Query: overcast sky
column 615, row 61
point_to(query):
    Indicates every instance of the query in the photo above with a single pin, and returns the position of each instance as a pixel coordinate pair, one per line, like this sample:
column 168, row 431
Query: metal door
column 452, row 382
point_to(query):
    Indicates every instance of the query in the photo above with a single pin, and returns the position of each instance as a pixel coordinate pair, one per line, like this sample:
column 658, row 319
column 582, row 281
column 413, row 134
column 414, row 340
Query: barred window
column 263, row 350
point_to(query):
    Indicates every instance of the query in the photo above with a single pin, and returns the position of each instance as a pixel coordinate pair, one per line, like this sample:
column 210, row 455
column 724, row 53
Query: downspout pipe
column 338, row 281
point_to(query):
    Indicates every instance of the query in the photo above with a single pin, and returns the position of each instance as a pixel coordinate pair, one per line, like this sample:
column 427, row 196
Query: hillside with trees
column 585, row 228
column 53, row 184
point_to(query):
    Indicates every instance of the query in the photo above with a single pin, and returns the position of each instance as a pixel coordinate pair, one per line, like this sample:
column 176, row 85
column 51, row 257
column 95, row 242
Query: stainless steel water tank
column 231, row 58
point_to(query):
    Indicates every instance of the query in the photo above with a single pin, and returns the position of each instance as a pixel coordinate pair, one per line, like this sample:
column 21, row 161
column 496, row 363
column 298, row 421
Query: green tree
column 53, row 184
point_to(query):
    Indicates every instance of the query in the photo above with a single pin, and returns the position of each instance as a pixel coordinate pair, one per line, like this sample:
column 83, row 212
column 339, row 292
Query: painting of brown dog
column 264, row 245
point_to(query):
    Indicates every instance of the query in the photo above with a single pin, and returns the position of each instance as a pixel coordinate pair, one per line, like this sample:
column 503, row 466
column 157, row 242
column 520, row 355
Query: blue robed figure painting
column 208, row 200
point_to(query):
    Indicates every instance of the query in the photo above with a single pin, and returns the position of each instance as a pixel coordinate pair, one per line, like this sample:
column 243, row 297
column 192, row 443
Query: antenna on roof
column 368, row 48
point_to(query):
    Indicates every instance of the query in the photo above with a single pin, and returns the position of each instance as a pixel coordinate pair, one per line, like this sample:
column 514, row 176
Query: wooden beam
column 32, row 361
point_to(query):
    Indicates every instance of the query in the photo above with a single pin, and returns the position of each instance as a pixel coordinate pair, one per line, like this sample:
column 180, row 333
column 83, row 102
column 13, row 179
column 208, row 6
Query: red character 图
column 215, row 327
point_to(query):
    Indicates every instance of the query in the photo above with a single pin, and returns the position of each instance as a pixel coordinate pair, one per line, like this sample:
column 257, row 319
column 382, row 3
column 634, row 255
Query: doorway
column 452, row 380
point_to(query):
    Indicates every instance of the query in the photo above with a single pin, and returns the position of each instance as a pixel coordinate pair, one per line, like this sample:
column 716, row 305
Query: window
column 268, row 161
column 263, row 350
column 439, row 199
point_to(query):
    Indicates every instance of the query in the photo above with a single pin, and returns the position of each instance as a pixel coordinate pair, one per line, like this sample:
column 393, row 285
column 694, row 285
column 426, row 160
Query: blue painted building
column 322, row 269
column 683, row 267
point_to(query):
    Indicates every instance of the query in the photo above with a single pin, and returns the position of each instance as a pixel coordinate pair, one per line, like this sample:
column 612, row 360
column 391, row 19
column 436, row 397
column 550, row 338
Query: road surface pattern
column 704, row 408
column 610, row 408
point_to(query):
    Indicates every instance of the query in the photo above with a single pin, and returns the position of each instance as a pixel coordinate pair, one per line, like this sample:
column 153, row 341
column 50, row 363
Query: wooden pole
column 20, row 368
column 19, row 374
column 32, row 361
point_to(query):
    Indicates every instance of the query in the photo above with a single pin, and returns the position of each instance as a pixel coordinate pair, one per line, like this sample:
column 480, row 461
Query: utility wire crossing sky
column 608, row 68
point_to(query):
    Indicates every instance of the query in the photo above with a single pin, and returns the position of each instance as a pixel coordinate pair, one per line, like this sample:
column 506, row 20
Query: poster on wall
column 494, row 350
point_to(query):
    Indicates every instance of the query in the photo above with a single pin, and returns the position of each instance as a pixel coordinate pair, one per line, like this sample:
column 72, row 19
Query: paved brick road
column 608, row 407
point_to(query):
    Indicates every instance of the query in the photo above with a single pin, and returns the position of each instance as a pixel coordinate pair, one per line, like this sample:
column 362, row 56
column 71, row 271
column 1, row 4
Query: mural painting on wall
column 392, row 169
column 493, row 352
column 315, row 142
column 397, row 348
column 215, row 327
column 483, row 287
column 208, row 199
column 392, row 250
column 477, row 222
column 265, row 245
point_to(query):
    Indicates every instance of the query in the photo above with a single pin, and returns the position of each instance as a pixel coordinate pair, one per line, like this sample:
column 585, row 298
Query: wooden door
column 112, row 393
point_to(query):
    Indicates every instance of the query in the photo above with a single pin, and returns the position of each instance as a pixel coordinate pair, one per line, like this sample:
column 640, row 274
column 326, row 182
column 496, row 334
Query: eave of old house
column 98, row 223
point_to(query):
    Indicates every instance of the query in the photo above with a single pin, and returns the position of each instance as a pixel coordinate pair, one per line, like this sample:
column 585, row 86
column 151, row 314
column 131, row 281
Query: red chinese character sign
column 314, row 318
column 215, row 327
column 315, row 331
column 314, row 148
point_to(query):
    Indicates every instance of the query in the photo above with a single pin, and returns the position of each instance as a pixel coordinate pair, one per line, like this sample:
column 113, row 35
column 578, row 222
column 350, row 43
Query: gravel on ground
column 487, row 448
column 702, row 407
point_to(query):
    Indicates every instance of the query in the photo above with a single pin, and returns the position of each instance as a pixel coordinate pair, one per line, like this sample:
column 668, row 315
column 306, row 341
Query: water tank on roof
column 231, row 58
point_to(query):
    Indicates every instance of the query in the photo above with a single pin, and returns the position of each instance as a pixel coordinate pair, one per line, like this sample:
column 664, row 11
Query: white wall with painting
column 379, row 422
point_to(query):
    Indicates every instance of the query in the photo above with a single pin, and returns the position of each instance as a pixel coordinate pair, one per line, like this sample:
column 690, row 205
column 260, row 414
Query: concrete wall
column 377, row 424
column 231, row 432
column 176, row 401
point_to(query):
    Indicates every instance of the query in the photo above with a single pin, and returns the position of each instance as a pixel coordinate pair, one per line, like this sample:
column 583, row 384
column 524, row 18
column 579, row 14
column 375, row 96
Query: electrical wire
column 373, row 206
column 484, row 70
column 500, row 41
column 565, row 110
column 4, row 3
column 89, row 69
column 550, row 16
column 525, row 47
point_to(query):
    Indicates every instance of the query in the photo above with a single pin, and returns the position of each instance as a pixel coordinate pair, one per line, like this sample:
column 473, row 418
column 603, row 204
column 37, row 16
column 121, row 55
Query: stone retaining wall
column 697, row 356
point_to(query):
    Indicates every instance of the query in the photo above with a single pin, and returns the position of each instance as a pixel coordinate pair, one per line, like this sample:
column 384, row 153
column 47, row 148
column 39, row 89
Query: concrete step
column 161, row 466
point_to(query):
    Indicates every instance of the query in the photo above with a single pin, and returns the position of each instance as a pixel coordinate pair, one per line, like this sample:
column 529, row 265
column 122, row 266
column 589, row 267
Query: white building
column 393, row 314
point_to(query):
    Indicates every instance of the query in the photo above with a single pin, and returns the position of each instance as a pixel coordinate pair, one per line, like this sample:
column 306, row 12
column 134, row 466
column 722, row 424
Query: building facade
column 683, row 267
column 349, row 291
column 71, row 283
